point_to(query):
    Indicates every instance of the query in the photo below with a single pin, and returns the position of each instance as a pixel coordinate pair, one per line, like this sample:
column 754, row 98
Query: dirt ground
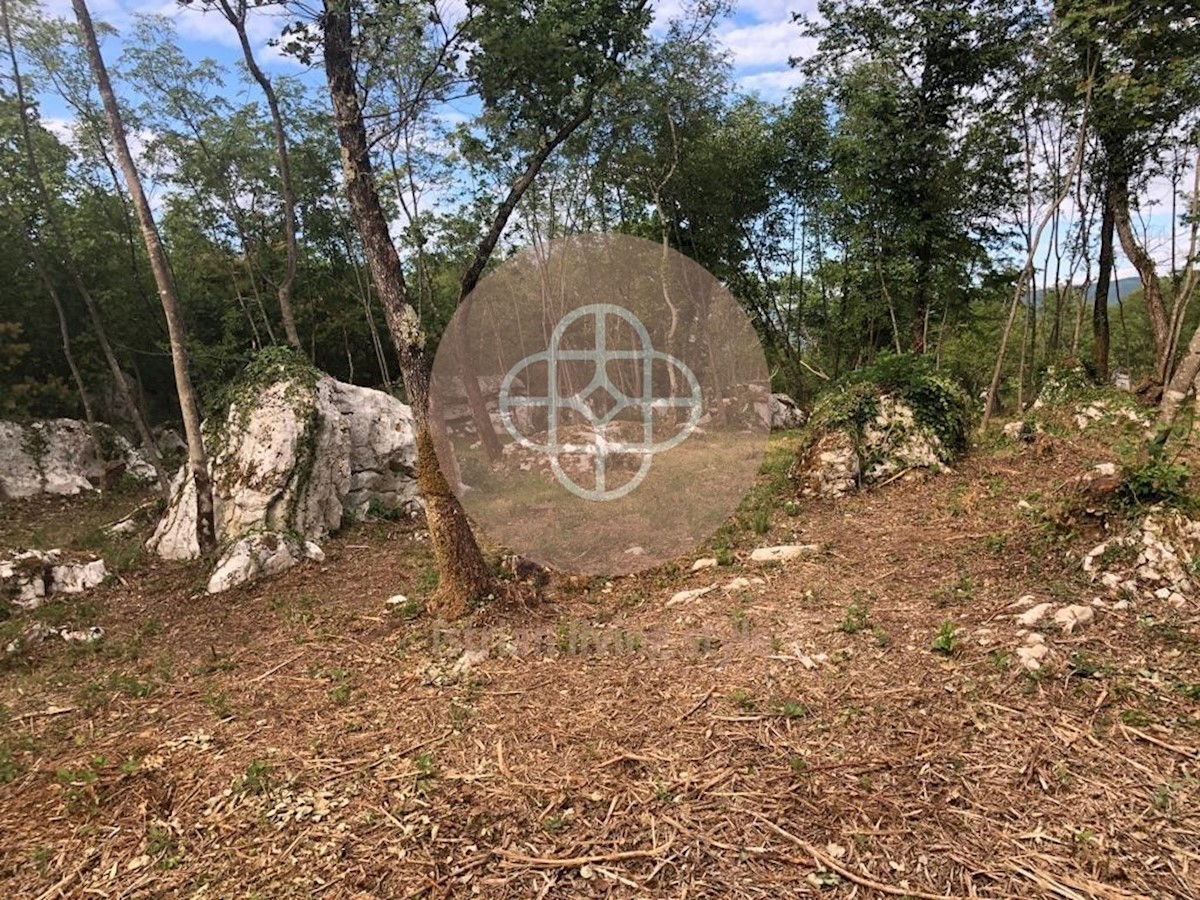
column 798, row 737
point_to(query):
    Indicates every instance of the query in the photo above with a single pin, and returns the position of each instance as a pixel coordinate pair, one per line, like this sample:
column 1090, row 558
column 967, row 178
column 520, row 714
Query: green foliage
column 1061, row 387
column 1156, row 480
column 938, row 403
column 855, row 619
column 944, row 641
column 258, row 779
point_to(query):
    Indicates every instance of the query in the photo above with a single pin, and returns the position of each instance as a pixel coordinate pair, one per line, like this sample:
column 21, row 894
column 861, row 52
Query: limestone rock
column 832, row 467
column 782, row 553
column 1032, row 654
column 1032, row 616
column 705, row 562
column 57, row 456
column 689, row 596
column 383, row 449
column 257, row 556
column 890, row 443
column 784, row 413
column 29, row 577
column 1071, row 617
column 298, row 458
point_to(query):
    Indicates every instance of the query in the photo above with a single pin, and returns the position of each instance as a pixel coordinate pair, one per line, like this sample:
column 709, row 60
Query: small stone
column 1162, row 593
column 688, row 596
column 1023, row 601
column 1031, row 617
column 396, row 600
column 741, row 583
column 1177, row 600
column 468, row 661
column 782, row 553
column 82, row 636
column 705, row 562
column 1073, row 617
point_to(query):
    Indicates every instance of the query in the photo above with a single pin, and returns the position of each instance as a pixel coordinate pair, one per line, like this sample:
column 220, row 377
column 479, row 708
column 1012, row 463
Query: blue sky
column 760, row 37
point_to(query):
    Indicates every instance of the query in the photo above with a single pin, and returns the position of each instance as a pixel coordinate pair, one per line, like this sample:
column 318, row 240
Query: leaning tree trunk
column 60, row 235
column 235, row 12
column 198, row 461
column 1160, row 327
column 465, row 576
column 64, row 333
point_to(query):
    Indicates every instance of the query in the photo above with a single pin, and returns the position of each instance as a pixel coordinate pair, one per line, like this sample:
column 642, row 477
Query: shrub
column 938, row 402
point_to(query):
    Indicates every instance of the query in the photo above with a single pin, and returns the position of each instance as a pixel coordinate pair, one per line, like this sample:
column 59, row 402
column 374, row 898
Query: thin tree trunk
column 1027, row 269
column 483, row 252
column 1101, row 332
column 64, row 331
column 235, row 13
column 56, row 227
column 198, row 461
column 464, row 574
column 1148, row 273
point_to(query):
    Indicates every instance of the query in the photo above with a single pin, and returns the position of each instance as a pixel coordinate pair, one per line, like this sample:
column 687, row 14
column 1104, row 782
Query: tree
column 197, row 458
column 54, row 220
column 917, row 85
column 1144, row 59
column 235, row 12
column 536, row 72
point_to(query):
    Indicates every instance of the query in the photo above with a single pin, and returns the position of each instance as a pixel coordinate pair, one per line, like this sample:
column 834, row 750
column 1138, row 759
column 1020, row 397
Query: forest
column 886, row 203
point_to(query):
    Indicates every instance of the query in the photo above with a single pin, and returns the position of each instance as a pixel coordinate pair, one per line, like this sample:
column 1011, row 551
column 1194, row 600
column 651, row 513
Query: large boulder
column 58, row 456
column 295, row 453
column 780, row 412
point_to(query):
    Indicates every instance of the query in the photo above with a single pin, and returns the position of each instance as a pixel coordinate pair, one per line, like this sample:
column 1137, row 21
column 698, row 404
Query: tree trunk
column 197, row 459
column 60, row 234
column 64, row 332
column 1100, row 330
column 465, row 577
column 236, row 14
column 1156, row 309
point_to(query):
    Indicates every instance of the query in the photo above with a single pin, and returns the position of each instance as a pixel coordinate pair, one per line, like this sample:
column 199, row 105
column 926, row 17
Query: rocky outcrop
column 259, row 555
column 294, row 455
column 58, row 456
column 383, row 450
column 891, row 442
column 1155, row 561
column 29, row 577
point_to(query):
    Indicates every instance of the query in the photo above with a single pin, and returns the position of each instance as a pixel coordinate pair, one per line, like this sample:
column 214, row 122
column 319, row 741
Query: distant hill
column 1125, row 286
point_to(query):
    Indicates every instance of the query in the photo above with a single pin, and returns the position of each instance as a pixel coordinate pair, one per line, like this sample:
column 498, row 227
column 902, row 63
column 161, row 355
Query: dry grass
column 300, row 739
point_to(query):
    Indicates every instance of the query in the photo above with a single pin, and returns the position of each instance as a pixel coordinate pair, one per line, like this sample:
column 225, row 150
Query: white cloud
column 770, row 85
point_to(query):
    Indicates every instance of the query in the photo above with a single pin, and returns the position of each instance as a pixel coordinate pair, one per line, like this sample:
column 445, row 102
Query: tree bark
column 235, row 13
column 1101, row 333
column 1160, row 328
column 60, row 234
column 465, row 577
column 197, row 459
